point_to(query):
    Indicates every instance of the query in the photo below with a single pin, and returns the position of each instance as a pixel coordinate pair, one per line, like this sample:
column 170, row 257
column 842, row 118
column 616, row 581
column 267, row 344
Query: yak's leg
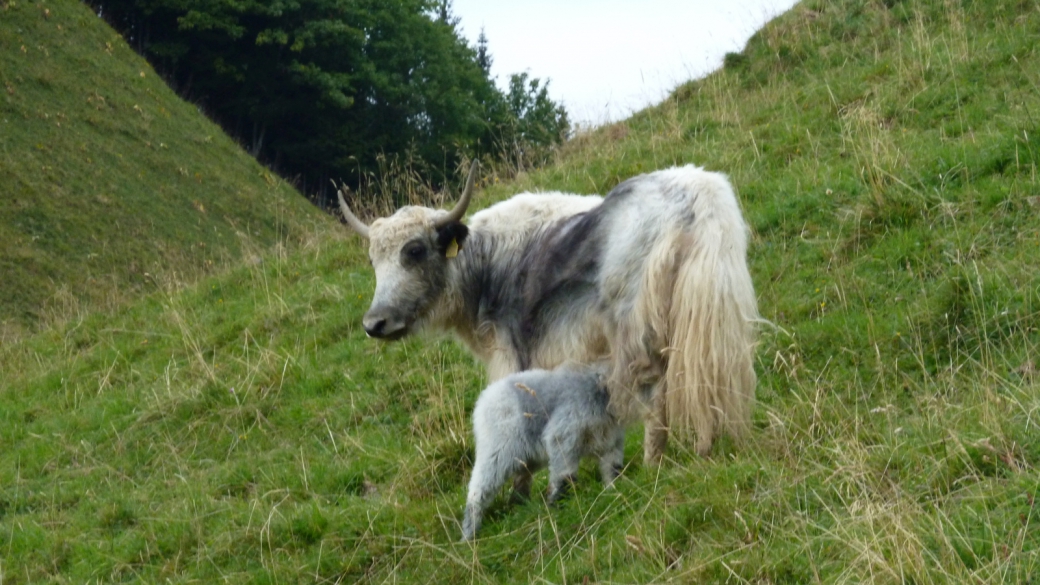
column 705, row 439
column 561, row 481
column 502, row 362
column 522, row 485
column 563, row 446
column 611, row 462
column 656, row 426
column 489, row 473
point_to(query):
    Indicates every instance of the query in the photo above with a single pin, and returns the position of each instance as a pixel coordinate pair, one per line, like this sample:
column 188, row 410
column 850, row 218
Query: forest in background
column 344, row 89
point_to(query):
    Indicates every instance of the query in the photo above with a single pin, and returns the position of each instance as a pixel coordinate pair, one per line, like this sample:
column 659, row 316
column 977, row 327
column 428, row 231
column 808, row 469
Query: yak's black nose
column 383, row 324
column 375, row 328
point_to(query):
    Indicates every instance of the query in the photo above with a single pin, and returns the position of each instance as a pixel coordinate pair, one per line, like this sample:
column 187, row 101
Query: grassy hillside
column 108, row 179
column 886, row 153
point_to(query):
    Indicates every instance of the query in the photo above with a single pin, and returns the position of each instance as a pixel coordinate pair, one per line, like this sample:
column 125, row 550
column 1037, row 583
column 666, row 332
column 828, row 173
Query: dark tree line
column 321, row 89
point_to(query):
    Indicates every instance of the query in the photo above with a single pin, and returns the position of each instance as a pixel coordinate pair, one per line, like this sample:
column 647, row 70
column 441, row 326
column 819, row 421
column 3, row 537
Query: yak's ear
column 450, row 238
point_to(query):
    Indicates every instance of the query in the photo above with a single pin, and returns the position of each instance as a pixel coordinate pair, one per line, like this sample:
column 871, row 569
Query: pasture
column 241, row 428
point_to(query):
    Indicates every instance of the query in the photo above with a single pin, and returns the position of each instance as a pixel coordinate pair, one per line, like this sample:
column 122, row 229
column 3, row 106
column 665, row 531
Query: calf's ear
column 451, row 237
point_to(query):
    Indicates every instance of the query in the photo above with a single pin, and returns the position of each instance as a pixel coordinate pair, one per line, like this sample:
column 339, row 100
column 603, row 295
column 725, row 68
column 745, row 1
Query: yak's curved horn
column 460, row 208
column 352, row 220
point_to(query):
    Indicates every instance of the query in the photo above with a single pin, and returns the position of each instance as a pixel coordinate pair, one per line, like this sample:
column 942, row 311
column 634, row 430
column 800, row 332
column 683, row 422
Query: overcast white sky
column 609, row 58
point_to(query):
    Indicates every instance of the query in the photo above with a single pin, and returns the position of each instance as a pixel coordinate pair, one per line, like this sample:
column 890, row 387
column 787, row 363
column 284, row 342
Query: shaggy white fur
column 653, row 278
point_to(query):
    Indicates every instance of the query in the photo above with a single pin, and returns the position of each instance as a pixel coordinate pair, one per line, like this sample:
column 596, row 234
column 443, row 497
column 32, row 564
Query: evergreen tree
column 323, row 89
column 445, row 15
column 484, row 58
column 534, row 123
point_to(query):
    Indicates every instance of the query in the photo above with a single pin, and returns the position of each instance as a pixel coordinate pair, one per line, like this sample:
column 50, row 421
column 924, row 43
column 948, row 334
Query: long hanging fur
column 710, row 381
column 691, row 325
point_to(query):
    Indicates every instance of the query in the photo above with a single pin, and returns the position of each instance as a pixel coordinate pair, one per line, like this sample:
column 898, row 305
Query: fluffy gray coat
column 535, row 417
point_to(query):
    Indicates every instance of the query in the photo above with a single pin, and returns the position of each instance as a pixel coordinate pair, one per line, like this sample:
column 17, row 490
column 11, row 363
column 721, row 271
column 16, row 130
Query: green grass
column 242, row 429
column 109, row 179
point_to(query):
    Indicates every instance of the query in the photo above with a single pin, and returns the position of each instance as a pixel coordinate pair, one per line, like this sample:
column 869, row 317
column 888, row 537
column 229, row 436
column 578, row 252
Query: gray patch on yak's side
column 561, row 269
column 556, row 270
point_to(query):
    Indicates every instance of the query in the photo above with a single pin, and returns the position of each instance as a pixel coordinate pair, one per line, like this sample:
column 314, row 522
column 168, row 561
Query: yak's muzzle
column 382, row 324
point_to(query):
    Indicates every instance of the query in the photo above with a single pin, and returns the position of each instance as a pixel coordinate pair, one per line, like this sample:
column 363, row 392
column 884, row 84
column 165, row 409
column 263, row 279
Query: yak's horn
column 460, row 207
column 352, row 220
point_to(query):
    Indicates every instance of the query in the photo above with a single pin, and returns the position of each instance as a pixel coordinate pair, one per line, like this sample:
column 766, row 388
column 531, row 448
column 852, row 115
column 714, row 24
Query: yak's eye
column 415, row 252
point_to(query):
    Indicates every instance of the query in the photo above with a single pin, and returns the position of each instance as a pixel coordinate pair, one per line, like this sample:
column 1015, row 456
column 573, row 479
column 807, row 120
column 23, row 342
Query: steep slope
column 244, row 430
column 109, row 180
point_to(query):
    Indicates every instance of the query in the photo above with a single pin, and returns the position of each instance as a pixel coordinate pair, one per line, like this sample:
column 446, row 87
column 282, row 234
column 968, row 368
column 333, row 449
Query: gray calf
column 529, row 418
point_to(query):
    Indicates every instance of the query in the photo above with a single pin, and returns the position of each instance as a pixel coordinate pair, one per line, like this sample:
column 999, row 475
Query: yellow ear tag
column 453, row 249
